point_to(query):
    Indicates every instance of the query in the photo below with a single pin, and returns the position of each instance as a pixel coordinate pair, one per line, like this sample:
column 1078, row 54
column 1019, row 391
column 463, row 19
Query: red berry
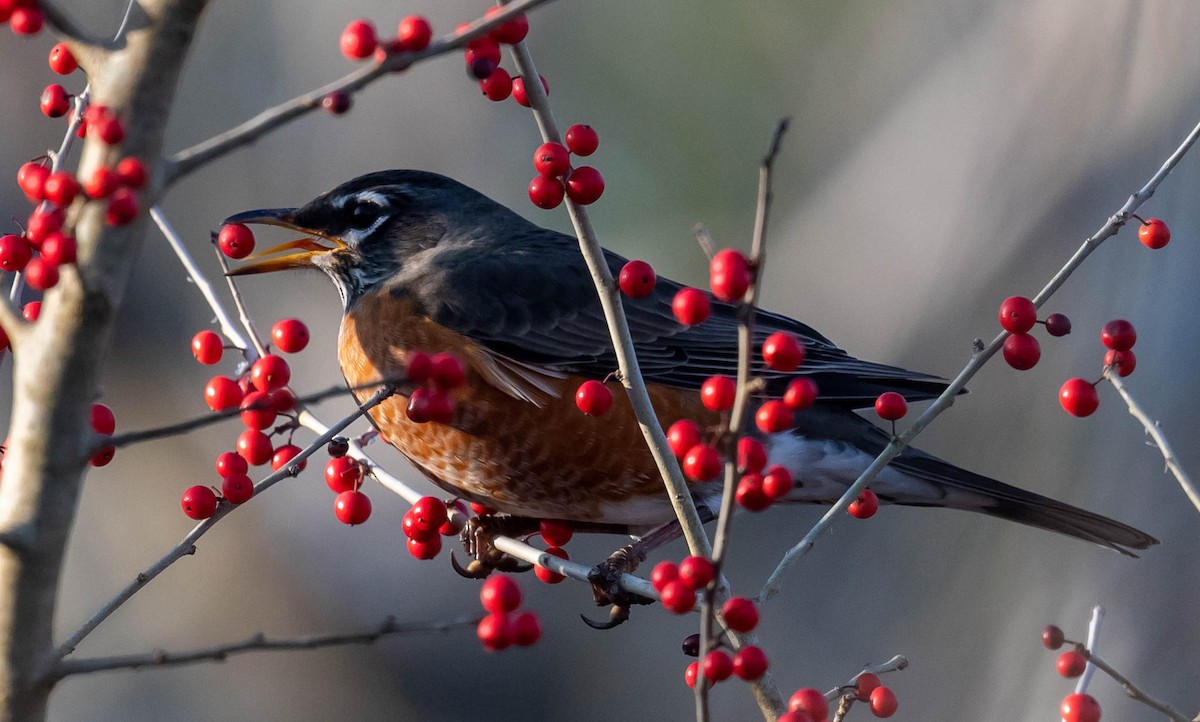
column 1022, row 351
column 344, row 473
column 122, row 207
column 425, row 549
column 32, row 310
column 40, row 274
column 682, row 436
column 270, row 372
column 750, row 663
column 663, row 572
column 207, row 347
column 414, row 33
column 556, row 533
column 691, row 306
column 500, row 594
column 101, row 183
column 1078, row 397
column 750, row 495
column 1118, row 335
column 222, row 393
column 740, row 614
column 691, row 673
column 482, row 56
column 256, row 411
column 593, row 398
column 701, row 463
column 31, row 178
column 337, row 102
column 14, row 253
column 236, row 240
column 447, row 372
column 1058, row 325
column 56, row 101
column 290, row 335
column 545, row 574
column 425, row 405
column 255, row 447
column 456, row 519
column 883, row 702
column 353, row 507
column 546, row 192
column 811, row 701
column 59, row 249
column 751, row 456
column 1080, row 708
column 410, row 526
column 582, row 139
column 1071, row 664
column 428, row 513
column 132, row 172
column 1017, row 314
column 1123, row 361
column 103, row 455
column 717, row 666
column 497, row 86
column 729, row 275
column 62, row 61
column 637, row 279
column 358, row 40
column 864, row 684
column 717, row 393
column 418, row 367
column 518, row 90
column 526, row 629
column 865, row 506
column 61, row 188
column 199, row 502
column 777, row 483
column 1154, row 233
column 585, row 185
column 26, row 20
column 891, row 406
column 237, row 489
column 1052, row 637
column 782, row 351
column 495, row 632
column 511, row 31
column 41, row 224
column 108, row 128
column 102, row 420
column 678, row 597
column 774, row 416
column 230, row 464
column 696, row 572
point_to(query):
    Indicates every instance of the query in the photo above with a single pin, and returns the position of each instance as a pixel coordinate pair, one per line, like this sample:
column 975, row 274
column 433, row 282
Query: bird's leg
column 477, row 542
column 605, row 577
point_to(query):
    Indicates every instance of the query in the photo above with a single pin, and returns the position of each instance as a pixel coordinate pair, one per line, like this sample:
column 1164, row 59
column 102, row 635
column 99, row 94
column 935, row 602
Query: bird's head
column 373, row 229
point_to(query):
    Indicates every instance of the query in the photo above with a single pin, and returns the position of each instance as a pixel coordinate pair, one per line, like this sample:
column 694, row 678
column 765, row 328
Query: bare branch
column 845, row 693
column 1156, row 434
column 193, row 158
column 978, row 359
column 1132, row 690
column 258, row 643
column 1093, row 640
column 188, row 544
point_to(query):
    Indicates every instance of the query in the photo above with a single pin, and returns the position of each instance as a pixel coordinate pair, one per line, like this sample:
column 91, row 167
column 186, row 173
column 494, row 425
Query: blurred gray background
column 943, row 156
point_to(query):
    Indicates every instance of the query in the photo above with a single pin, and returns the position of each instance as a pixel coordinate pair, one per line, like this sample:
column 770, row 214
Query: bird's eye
column 364, row 214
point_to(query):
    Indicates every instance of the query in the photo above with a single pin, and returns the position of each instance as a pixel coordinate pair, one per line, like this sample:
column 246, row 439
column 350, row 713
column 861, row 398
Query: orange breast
column 551, row 461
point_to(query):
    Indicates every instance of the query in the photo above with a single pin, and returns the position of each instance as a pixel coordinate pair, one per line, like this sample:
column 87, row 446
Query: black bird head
column 370, row 229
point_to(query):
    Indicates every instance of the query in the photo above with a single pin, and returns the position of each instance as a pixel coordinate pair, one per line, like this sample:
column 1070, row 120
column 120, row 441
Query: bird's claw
column 616, row 616
column 605, row 579
column 477, row 538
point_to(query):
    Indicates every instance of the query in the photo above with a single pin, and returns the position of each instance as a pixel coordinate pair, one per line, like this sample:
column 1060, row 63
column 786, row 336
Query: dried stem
column 1093, row 641
column 980, row 357
column 257, row 643
column 1156, row 434
column 1132, row 690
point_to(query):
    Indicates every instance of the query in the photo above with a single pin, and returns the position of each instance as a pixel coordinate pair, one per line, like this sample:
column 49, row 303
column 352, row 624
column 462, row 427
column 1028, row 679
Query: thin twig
column 946, row 400
column 705, row 239
column 1093, row 641
column 193, row 158
column 247, row 323
column 1132, row 690
column 257, row 643
column 845, row 694
column 1156, row 434
column 188, row 544
column 228, row 328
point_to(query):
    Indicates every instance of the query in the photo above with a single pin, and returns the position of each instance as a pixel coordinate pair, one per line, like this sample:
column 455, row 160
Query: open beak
column 293, row 254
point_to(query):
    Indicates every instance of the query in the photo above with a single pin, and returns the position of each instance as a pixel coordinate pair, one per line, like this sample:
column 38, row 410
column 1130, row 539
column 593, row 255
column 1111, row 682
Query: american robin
column 423, row 262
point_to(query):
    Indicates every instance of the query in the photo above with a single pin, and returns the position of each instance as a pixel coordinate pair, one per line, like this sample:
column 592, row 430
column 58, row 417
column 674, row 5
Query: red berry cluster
column 502, row 628
column 1078, row 396
column 104, row 423
column 677, row 584
column 809, row 704
column 556, row 534
column 344, row 476
column 583, row 185
column 1018, row 316
column 748, row 663
column 426, row 523
column 23, row 16
column 1075, row 707
column 436, row 376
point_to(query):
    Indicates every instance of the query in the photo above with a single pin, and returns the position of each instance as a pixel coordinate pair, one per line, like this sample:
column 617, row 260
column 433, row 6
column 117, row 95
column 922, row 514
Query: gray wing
column 532, row 300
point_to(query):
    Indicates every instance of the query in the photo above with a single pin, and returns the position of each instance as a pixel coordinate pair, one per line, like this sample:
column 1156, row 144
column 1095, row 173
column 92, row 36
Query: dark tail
column 979, row 493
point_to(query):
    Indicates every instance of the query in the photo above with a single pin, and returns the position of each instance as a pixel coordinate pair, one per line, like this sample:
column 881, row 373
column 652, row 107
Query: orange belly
column 551, row 461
